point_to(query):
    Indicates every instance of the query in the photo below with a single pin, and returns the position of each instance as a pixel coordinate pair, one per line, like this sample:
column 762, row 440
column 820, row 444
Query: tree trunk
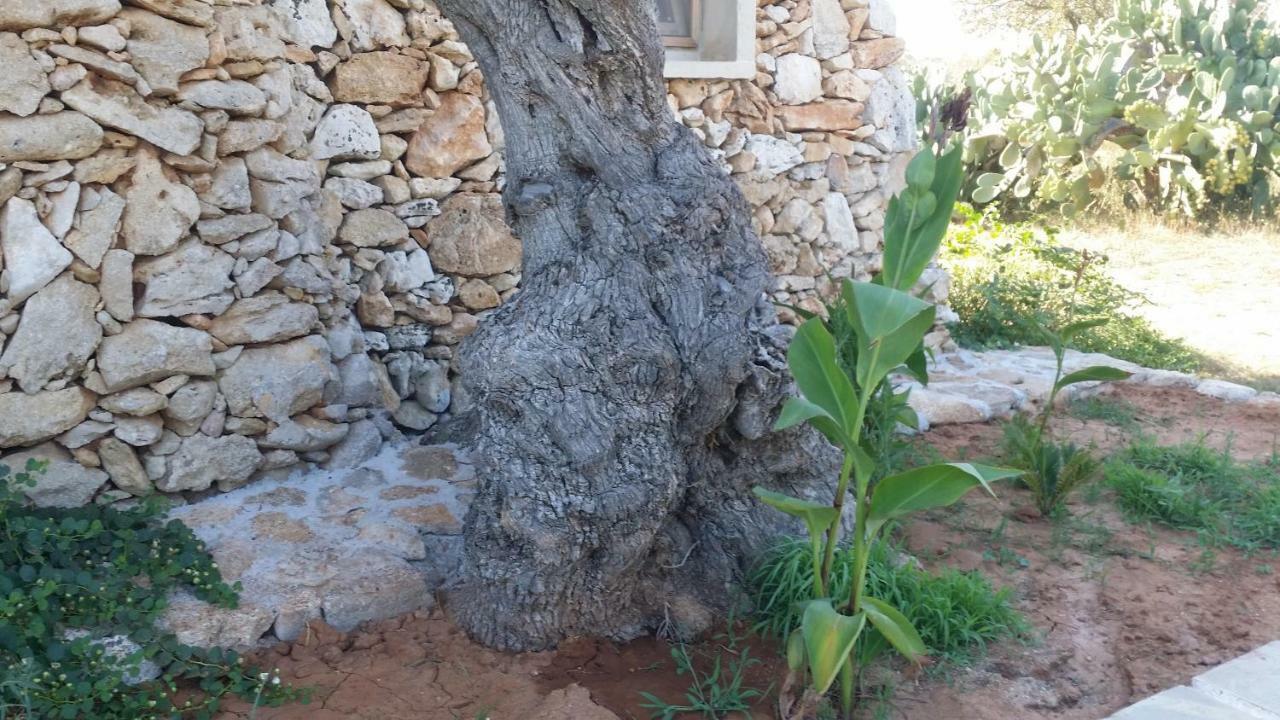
column 624, row 396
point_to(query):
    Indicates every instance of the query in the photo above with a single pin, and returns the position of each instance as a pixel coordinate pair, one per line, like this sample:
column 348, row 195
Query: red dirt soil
column 1119, row 612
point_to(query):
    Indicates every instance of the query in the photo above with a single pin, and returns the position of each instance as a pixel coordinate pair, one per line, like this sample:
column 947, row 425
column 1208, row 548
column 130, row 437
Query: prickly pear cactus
column 1170, row 103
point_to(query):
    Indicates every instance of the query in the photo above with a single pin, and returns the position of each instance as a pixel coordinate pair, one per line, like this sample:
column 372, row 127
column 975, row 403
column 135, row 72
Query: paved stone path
column 1247, row 688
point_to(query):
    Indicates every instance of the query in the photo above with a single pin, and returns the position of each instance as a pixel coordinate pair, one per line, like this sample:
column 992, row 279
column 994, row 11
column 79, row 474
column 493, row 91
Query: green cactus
column 1174, row 104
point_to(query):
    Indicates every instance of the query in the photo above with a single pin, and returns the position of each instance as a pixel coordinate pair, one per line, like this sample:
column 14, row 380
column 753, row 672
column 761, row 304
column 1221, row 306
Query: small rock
column 32, row 255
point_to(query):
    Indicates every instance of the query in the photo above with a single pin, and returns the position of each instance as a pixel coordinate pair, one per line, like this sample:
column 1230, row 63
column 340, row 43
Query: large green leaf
column 914, row 230
column 812, row 359
column 895, row 627
column 1070, row 332
column 928, row 487
column 816, row 516
column 797, row 410
column 890, row 325
column 1096, row 373
column 828, row 640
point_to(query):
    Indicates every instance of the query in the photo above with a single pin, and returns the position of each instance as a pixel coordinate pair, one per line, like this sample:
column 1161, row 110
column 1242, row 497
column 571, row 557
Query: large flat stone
column 147, row 351
column 41, row 138
column 29, row 419
column 1182, row 703
column 118, row 105
column 1253, row 678
column 19, row 15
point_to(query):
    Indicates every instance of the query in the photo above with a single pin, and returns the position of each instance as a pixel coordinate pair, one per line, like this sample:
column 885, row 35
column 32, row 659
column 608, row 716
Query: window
column 678, row 22
column 708, row 38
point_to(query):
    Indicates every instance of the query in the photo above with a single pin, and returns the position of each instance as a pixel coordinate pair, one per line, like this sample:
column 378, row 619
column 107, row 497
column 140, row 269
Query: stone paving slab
column 1253, row 678
column 1247, row 688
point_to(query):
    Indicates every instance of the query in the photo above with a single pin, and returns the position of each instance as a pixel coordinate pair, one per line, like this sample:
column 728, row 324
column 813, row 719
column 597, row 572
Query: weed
column 719, row 690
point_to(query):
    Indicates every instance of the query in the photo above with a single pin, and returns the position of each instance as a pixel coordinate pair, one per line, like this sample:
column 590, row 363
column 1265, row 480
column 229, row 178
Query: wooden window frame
column 695, row 29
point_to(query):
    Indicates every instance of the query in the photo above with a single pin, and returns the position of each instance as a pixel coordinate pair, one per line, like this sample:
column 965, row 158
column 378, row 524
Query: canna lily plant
column 836, row 385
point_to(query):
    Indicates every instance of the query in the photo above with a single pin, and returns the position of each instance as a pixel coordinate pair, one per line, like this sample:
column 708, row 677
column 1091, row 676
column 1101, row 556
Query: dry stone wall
column 241, row 235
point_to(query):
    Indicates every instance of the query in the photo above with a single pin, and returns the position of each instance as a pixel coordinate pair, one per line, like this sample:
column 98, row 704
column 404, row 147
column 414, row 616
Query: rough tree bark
column 623, row 399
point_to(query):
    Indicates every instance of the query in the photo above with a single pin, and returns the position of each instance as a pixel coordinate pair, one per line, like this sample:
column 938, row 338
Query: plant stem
column 833, row 533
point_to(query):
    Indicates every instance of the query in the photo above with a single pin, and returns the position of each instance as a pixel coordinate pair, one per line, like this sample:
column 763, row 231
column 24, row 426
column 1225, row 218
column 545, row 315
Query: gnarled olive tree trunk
column 624, row 397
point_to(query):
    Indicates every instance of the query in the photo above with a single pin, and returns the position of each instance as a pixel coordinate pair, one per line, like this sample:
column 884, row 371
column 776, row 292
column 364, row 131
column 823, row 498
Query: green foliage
column 1118, row 413
column 957, row 614
column 1008, row 279
column 1193, row 487
column 71, row 576
column 881, row 328
column 1055, row 470
column 1170, row 104
column 718, row 691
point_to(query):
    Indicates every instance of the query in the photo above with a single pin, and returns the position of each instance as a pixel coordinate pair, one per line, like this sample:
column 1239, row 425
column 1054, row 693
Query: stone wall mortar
column 243, row 235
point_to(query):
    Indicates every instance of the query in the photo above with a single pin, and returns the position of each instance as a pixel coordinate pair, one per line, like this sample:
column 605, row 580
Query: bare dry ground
column 1219, row 290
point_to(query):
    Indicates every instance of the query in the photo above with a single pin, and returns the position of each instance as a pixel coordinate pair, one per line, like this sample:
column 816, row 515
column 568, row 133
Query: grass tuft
column 956, row 613
column 1193, row 487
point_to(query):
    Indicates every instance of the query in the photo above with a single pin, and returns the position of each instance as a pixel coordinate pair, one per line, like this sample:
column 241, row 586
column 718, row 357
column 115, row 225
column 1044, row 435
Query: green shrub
column 1008, row 279
column 107, row 572
column 1165, row 104
column 1193, row 487
column 957, row 613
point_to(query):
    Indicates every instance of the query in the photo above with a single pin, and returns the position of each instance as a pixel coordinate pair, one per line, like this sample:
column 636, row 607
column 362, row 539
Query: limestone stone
column 195, row 278
column 231, row 227
column 354, row 194
column 19, row 15
column 137, row 402
column 251, row 33
column 878, row 53
column 200, row 624
column 95, row 229
column 27, row 419
column 839, row 222
column 381, row 586
column 202, row 461
column 163, row 50
column 189, row 405
column 346, row 132
column 827, row 115
column 56, row 336
column 372, row 228
column 798, row 79
column 573, row 702
column 304, row 434
column 402, row 272
column 121, row 463
column 478, row 295
column 452, row 138
column 229, row 186
column 116, row 284
column 139, row 431
column 192, row 12
column 846, row 84
column 830, row 29
column 32, row 255
column 250, row 134
column 147, row 351
column 277, row 381
column 307, row 22
column 375, row 24
column 119, row 106
column 99, row 63
column 24, row 83
column 43, row 138
column 266, row 318
column 470, row 237
column 159, row 210
column 65, row 483
column 361, row 443
column 235, row 96
column 103, row 37
column 384, row 78
column 774, row 156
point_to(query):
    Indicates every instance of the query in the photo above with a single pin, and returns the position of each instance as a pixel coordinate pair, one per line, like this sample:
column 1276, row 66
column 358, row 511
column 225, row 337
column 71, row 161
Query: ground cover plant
column 717, row 680
column 1196, row 488
column 1008, row 279
column 73, row 582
